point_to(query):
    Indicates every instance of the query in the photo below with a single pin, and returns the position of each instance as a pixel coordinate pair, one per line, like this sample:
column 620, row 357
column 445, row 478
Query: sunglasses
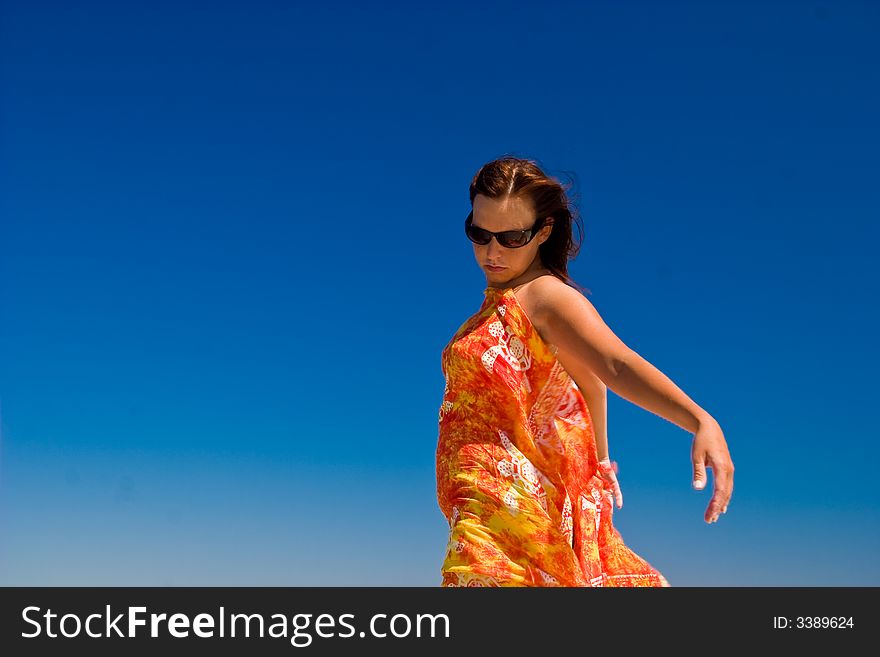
column 510, row 239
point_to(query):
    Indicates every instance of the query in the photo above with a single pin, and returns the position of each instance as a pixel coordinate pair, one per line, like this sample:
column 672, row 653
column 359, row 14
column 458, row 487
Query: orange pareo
column 517, row 464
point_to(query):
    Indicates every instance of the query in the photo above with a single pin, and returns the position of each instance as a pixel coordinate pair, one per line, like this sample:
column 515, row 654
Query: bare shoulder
column 546, row 298
column 549, row 295
column 581, row 340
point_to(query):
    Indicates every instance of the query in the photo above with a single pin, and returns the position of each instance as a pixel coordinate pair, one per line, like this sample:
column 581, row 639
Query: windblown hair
column 509, row 177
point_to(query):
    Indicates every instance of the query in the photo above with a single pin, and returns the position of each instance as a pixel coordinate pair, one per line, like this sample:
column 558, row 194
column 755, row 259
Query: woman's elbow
column 617, row 364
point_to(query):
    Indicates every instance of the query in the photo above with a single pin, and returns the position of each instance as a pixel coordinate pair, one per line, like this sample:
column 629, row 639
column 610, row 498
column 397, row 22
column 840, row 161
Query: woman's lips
column 491, row 268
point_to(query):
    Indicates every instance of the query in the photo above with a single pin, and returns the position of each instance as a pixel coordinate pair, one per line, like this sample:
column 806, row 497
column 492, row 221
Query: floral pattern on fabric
column 517, row 464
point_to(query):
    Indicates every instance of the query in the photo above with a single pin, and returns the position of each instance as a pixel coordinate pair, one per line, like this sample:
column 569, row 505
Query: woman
column 523, row 473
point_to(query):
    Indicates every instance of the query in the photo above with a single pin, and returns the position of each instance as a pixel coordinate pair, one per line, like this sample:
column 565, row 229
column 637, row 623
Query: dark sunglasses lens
column 478, row 235
column 513, row 239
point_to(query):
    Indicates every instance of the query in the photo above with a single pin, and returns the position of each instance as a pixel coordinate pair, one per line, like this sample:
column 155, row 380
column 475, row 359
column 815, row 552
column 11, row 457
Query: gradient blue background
column 232, row 251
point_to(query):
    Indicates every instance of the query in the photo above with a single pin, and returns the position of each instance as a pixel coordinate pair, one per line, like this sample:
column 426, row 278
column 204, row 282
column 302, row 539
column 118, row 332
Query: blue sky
column 231, row 250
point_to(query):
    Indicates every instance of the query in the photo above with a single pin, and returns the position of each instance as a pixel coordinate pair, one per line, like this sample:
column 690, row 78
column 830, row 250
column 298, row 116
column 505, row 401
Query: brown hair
column 510, row 176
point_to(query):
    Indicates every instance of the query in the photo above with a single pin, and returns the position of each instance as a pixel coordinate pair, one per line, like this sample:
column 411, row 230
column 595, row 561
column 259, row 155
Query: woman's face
column 496, row 215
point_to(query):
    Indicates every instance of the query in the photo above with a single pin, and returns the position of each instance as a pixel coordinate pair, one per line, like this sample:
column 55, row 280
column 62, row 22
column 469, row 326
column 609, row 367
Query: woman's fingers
column 709, row 450
column 615, row 494
column 699, row 475
column 607, row 470
column 723, row 489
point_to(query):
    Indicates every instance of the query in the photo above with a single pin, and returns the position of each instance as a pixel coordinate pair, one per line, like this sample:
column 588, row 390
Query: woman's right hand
column 709, row 449
column 607, row 471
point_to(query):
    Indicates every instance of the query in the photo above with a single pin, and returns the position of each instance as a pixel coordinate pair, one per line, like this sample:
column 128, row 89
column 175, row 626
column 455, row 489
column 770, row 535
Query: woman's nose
column 493, row 247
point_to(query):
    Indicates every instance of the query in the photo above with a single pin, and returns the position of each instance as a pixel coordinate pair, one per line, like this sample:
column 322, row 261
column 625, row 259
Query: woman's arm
column 595, row 393
column 586, row 346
